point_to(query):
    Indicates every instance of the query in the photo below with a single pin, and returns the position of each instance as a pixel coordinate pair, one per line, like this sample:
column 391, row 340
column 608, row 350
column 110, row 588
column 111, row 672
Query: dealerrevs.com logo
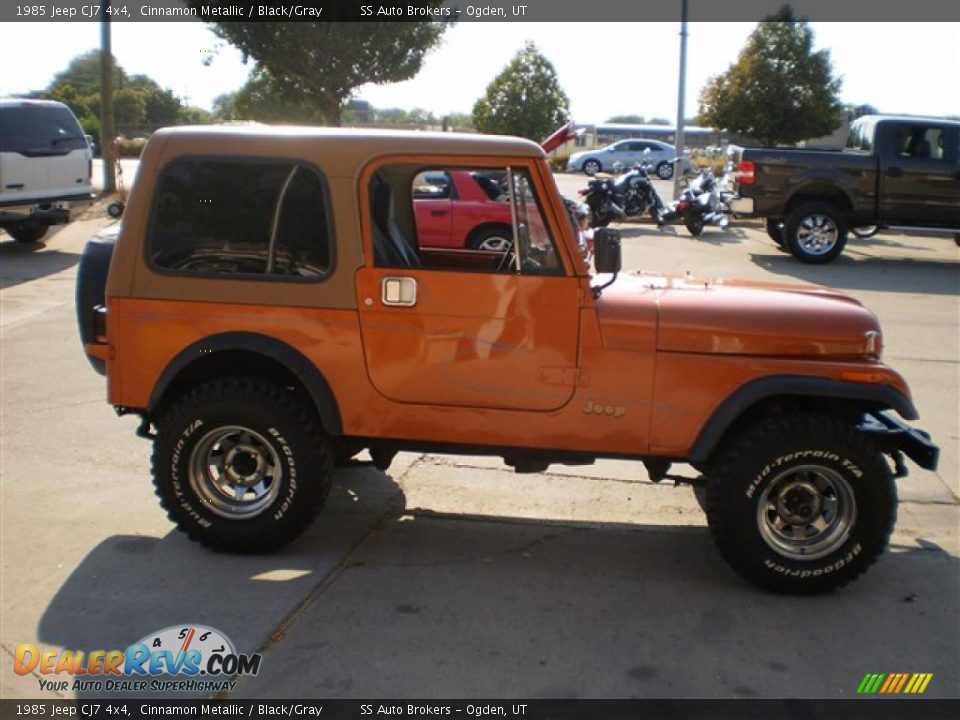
column 180, row 658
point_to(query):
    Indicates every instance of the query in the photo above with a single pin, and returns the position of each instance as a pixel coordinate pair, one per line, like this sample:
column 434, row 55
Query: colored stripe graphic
column 894, row 683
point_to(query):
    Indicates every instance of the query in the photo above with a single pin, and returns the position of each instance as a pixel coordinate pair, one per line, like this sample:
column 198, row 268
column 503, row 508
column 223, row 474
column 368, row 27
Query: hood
column 734, row 317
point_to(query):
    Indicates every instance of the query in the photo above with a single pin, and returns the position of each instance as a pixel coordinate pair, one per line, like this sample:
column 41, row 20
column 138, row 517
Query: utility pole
column 107, row 133
column 680, row 139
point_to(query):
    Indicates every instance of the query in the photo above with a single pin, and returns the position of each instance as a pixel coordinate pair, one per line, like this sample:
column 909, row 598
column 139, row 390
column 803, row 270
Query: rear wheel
column 241, row 465
column 491, row 239
column 665, row 171
column 815, row 233
column 801, row 504
column 694, row 223
column 27, row 231
column 591, row 166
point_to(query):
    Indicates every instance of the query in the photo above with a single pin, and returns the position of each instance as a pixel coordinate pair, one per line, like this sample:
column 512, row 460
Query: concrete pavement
column 453, row 577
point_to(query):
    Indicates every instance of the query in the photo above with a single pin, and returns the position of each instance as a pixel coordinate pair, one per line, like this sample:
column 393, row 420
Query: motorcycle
column 628, row 195
column 703, row 202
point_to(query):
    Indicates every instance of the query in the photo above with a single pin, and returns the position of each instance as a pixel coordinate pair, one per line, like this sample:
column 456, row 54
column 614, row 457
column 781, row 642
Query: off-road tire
column 287, row 430
column 771, row 452
column 27, row 231
column 812, row 213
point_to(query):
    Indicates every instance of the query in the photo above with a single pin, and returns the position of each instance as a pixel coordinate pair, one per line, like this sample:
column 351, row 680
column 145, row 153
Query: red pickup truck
column 462, row 209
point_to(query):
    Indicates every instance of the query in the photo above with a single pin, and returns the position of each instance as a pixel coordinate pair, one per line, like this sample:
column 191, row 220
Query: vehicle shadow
column 711, row 235
column 882, row 274
column 378, row 601
column 129, row 586
column 23, row 262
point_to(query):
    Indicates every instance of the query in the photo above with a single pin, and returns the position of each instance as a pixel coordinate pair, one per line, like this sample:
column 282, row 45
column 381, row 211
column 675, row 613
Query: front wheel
column 865, row 231
column 801, row 504
column 241, row 465
column 815, row 233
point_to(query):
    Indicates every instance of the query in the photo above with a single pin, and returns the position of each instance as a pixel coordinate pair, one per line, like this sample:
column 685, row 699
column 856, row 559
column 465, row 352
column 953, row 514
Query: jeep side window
column 413, row 225
column 241, row 218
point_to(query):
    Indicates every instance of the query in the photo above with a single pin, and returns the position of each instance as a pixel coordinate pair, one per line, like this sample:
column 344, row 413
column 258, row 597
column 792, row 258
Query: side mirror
column 606, row 247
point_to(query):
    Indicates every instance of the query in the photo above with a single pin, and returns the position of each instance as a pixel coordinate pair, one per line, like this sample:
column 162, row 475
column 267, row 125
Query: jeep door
column 467, row 328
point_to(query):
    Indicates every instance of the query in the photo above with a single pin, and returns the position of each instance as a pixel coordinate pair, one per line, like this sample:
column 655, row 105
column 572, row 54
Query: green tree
column 627, row 119
column 779, row 91
column 140, row 104
column 265, row 99
column 320, row 64
column 525, row 99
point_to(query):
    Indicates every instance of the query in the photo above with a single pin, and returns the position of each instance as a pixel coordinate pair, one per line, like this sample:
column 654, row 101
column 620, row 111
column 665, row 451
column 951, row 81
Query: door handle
column 439, row 213
column 399, row 291
column 895, row 172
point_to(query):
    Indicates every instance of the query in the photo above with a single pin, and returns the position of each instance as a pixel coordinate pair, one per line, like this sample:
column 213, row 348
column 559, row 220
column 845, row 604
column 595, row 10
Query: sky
column 605, row 69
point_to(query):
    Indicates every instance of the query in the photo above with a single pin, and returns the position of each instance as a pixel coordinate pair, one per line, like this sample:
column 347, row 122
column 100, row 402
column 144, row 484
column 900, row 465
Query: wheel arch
column 771, row 395
column 251, row 354
column 819, row 192
column 484, row 226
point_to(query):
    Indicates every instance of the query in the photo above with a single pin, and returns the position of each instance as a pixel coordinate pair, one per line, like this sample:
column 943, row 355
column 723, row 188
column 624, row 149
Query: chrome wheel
column 495, row 243
column 817, row 234
column 806, row 512
column 235, row 472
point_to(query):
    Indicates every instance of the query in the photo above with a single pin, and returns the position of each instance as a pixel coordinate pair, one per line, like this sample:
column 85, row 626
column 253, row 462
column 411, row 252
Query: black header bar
column 866, row 11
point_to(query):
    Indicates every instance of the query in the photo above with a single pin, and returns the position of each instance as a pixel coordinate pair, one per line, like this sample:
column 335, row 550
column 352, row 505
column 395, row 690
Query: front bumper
column 895, row 438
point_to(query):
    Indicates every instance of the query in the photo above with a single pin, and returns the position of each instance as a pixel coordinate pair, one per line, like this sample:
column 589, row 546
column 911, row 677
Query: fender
column 740, row 400
column 304, row 370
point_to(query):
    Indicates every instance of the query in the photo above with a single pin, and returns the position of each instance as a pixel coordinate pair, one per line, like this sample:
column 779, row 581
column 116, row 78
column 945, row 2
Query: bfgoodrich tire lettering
column 241, row 465
column 801, row 504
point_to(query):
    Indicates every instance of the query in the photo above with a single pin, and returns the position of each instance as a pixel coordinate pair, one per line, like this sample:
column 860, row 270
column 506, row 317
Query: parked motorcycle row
column 631, row 194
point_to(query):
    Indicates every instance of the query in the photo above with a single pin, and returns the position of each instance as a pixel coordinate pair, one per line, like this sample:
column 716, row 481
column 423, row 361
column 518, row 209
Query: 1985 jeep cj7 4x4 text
column 266, row 308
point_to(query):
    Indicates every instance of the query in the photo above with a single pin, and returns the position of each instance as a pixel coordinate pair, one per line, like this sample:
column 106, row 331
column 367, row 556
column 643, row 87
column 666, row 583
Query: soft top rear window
column 40, row 130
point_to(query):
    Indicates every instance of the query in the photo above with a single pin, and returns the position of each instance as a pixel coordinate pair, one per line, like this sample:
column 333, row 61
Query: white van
column 45, row 167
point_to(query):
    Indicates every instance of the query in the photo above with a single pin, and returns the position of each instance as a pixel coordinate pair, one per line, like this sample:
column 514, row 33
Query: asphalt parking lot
column 453, row 577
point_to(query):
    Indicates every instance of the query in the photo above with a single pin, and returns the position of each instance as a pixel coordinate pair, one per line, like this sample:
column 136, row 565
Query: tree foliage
column 779, row 91
column 320, row 64
column 140, row 105
column 525, row 99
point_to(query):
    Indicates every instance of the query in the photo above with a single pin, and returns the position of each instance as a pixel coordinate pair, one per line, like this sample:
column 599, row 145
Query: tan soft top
column 344, row 151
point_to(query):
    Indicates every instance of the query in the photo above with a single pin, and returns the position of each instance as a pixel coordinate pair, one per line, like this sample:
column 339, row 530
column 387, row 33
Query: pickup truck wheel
column 775, row 231
column 591, row 167
column 491, row 239
column 801, row 504
column 241, row 465
column 815, row 233
column 865, row 231
column 26, row 232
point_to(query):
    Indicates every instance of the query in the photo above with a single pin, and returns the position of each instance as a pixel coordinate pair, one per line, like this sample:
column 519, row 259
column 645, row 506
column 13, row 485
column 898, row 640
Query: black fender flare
column 293, row 360
column 758, row 390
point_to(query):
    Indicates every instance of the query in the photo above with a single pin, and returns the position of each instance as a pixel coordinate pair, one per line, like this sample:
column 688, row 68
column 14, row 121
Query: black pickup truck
column 896, row 172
